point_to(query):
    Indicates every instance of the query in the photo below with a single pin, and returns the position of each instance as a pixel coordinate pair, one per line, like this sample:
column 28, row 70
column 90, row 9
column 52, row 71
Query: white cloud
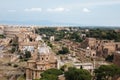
column 11, row 10
column 33, row 9
column 102, row 3
column 86, row 10
column 60, row 9
column 93, row 3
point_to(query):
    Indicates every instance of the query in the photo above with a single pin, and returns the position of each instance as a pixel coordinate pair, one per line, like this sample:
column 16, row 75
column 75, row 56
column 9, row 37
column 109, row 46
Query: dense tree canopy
column 47, row 31
column 59, row 34
column 104, row 34
column 75, row 36
column 77, row 74
column 51, row 74
column 106, row 72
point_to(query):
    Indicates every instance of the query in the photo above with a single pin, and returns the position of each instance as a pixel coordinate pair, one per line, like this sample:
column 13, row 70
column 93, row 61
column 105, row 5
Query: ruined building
column 117, row 58
column 102, row 47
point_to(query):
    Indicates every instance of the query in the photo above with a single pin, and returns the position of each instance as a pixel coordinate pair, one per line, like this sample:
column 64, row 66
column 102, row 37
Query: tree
column 2, row 36
column 47, row 31
column 64, row 50
column 63, row 67
column 49, row 44
column 49, row 77
column 106, row 72
column 104, row 34
column 51, row 74
column 76, row 37
column 77, row 74
column 9, row 64
column 15, row 65
column 27, row 54
column 13, row 50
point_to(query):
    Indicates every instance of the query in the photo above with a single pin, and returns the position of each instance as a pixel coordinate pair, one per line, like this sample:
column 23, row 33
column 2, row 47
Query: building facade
column 45, row 60
column 102, row 47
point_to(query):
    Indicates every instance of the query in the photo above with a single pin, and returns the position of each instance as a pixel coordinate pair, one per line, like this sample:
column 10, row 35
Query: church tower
column 45, row 60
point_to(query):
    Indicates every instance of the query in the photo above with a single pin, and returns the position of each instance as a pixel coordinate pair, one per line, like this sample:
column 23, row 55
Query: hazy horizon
column 60, row 12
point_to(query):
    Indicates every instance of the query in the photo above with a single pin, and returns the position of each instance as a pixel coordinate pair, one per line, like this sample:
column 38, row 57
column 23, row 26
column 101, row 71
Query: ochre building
column 45, row 60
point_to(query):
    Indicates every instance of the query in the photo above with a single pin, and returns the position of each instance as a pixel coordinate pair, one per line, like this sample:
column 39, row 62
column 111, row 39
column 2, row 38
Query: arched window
column 41, row 68
column 47, row 58
column 42, row 58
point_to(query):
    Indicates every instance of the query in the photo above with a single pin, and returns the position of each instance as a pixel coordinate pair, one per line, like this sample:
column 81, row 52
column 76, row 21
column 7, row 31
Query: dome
column 43, row 49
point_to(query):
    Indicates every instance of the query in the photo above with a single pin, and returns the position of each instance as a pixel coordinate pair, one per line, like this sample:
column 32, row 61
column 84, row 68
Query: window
column 41, row 68
column 93, row 54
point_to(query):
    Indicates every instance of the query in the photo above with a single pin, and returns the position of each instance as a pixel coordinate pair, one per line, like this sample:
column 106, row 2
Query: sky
column 60, row 12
